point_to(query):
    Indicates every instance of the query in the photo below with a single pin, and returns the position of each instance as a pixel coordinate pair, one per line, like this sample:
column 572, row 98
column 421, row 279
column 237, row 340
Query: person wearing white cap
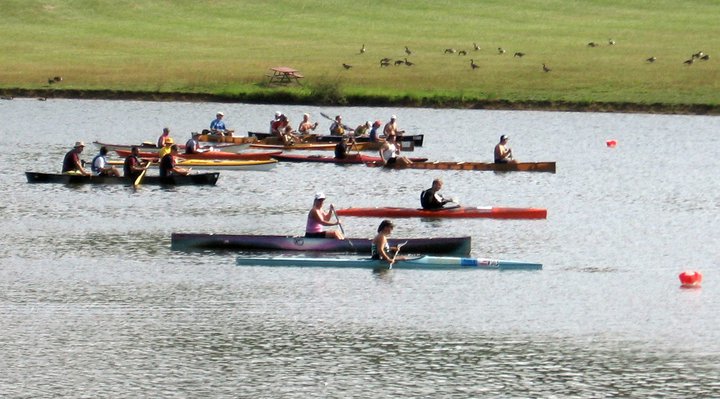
column 317, row 218
column 503, row 153
column 72, row 163
column 217, row 126
column 391, row 128
column 307, row 127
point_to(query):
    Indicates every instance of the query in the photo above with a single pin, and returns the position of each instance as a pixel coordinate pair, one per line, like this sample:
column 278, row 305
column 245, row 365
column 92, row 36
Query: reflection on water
column 94, row 303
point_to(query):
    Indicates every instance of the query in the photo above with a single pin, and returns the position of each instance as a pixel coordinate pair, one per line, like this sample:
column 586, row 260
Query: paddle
column 396, row 253
column 346, row 127
column 141, row 175
column 342, row 230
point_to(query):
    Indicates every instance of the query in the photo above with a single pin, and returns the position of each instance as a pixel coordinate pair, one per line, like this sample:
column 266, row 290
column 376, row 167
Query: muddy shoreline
column 289, row 98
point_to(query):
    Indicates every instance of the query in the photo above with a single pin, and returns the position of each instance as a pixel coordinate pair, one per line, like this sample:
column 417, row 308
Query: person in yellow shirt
column 166, row 149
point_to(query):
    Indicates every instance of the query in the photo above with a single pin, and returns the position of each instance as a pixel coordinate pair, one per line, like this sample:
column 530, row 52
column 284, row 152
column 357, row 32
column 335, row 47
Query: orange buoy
column 690, row 279
column 611, row 143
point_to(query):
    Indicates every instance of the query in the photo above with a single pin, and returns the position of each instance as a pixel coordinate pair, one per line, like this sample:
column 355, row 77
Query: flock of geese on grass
column 386, row 62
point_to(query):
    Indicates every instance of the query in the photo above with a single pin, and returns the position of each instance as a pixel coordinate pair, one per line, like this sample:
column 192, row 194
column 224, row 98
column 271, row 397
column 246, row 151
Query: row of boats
column 441, row 253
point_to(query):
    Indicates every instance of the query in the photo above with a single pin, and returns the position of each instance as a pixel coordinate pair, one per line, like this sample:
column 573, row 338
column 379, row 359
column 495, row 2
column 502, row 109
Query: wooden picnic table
column 284, row 75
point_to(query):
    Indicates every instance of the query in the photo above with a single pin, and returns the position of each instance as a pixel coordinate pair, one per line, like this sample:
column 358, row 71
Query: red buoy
column 611, row 143
column 690, row 279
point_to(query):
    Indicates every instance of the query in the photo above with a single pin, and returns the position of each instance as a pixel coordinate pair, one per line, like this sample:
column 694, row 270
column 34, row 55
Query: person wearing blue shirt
column 217, row 126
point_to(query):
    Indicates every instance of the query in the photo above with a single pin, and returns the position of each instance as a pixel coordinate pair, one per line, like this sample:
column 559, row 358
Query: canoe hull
column 201, row 179
column 418, row 263
column 257, row 156
column 456, row 213
column 548, row 167
column 416, row 139
column 151, row 147
column 350, row 159
column 457, row 246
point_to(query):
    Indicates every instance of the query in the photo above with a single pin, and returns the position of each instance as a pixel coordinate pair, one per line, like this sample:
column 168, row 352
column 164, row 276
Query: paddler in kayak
column 217, row 126
column 163, row 137
column 390, row 154
column 503, row 153
column 317, row 219
column 133, row 166
column 306, row 127
column 168, row 164
column 169, row 142
column 72, row 163
column 341, row 149
column 363, row 130
column 431, row 198
column 374, row 131
column 379, row 248
column 100, row 165
column 193, row 146
column 391, row 127
column 338, row 129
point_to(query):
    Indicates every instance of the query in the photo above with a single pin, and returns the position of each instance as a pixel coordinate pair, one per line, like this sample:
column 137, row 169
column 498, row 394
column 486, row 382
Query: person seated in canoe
column 379, row 247
column 363, row 130
column 431, row 198
column 306, row 127
column 163, row 137
column 169, row 142
column 193, row 146
column 133, row 165
column 317, row 219
column 503, row 153
column 337, row 128
column 100, row 165
column 168, row 164
column 217, row 126
column 341, row 148
column 374, row 131
column 391, row 127
column 72, row 163
column 390, row 154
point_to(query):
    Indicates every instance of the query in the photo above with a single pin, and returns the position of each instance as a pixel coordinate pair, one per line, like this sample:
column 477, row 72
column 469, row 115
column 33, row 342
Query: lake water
column 93, row 303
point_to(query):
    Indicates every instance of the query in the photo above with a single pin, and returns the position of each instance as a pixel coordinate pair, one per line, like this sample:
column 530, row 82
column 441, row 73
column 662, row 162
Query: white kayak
column 420, row 263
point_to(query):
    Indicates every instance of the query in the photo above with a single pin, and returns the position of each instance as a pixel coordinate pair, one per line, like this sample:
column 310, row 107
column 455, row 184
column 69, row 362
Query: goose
column 689, row 62
column 611, row 42
column 519, row 55
column 651, row 59
column 6, row 97
column 51, row 81
column 407, row 50
column 699, row 54
column 501, row 50
column 384, row 63
column 42, row 99
column 399, row 62
column 593, row 44
column 449, row 50
column 705, row 57
column 346, row 66
column 546, row 69
column 462, row 52
column 473, row 65
column 408, row 63
column 362, row 50
column 58, row 78
column 476, row 47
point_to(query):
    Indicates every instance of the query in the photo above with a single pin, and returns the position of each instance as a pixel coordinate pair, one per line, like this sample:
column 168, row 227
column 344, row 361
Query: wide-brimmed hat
column 220, row 113
column 79, row 144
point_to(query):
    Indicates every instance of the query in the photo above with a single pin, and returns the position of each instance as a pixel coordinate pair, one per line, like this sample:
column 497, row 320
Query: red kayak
column 458, row 212
column 349, row 159
column 257, row 156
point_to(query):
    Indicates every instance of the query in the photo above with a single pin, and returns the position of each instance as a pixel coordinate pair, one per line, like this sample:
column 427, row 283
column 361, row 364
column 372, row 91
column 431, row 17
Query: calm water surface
column 93, row 303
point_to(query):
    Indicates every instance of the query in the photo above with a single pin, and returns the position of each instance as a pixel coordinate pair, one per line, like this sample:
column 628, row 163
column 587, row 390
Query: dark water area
column 94, row 303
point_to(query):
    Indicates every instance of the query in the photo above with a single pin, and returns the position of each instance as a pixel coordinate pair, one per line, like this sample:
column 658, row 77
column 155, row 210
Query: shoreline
column 293, row 99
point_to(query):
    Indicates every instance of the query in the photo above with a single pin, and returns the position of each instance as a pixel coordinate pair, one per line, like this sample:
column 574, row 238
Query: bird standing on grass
column 519, row 55
column 362, row 50
column 476, row 47
column 407, row 50
column 346, row 66
column 546, row 69
column 501, row 50
column 473, row 65
column 651, row 59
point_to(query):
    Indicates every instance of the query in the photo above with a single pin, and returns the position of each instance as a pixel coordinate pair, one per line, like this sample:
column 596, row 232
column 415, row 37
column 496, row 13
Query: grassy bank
column 220, row 49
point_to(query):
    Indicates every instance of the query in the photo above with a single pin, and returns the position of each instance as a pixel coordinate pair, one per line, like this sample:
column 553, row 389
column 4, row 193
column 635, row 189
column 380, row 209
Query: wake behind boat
column 418, row 263
column 457, row 246
column 488, row 212
column 200, row 179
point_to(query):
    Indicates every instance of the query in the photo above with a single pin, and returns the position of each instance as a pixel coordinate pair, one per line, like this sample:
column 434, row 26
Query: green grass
column 224, row 47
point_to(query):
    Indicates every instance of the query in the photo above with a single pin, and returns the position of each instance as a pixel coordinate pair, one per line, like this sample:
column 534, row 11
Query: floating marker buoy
column 690, row 279
column 611, row 143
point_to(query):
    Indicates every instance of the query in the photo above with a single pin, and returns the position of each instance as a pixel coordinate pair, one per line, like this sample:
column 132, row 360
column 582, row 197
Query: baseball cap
column 319, row 195
column 504, row 137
